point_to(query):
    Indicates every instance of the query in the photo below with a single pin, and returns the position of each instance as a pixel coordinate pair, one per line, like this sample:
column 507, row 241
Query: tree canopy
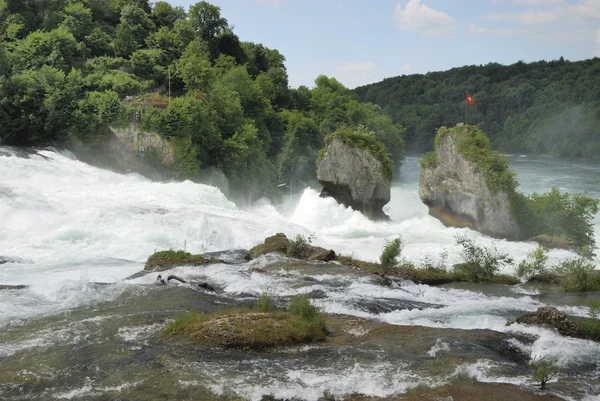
column 72, row 68
column 545, row 107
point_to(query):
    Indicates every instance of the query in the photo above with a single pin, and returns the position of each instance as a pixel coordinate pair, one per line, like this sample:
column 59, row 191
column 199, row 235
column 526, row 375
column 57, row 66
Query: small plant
column 264, row 303
column 579, row 275
column 590, row 327
column 543, row 369
column 182, row 321
column 304, row 309
column 439, row 267
column 481, row 263
column 534, row 264
column 207, row 242
column 428, row 159
column 389, row 257
column 299, row 241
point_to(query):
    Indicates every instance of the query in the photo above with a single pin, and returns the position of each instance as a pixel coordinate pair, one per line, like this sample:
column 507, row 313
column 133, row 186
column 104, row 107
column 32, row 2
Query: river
column 73, row 233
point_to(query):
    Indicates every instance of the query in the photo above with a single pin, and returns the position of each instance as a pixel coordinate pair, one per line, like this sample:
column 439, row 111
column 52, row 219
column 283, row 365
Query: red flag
column 470, row 99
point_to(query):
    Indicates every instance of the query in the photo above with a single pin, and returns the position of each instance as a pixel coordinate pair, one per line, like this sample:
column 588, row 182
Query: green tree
column 99, row 43
column 297, row 159
column 30, row 102
column 194, row 66
column 246, row 163
column 97, row 109
column 163, row 15
column 56, row 48
column 124, row 42
column 77, row 19
column 207, row 22
column 188, row 116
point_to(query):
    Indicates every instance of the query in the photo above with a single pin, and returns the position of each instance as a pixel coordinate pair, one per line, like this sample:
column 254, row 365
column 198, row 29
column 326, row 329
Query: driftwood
column 206, row 286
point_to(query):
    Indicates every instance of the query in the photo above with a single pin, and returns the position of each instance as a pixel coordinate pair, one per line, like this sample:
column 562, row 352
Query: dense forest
column 541, row 108
column 72, row 68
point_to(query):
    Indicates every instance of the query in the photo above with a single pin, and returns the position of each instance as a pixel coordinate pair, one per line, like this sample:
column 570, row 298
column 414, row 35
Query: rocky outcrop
column 279, row 243
column 129, row 149
column 134, row 143
column 550, row 317
column 456, row 191
column 165, row 260
column 355, row 178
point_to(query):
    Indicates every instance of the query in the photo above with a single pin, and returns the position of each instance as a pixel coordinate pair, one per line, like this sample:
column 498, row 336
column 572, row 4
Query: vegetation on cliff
column 565, row 217
column 544, row 107
column 69, row 69
column 361, row 137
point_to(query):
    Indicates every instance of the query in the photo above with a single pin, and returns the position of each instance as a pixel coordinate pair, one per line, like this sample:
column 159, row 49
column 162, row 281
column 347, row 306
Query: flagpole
column 466, row 103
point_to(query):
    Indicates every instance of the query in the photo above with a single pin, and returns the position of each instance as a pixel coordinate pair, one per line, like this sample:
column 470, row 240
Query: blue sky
column 360, row 41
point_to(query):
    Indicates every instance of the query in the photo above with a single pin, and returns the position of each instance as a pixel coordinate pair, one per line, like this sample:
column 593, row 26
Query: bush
column 428, row 159
column 481, row 263
column 534, row 264
column 543, row 369
column 304, row 309
column 563, row 215
column 578, row 275
column 390, row 254
column 590, row 327
column 264, row 303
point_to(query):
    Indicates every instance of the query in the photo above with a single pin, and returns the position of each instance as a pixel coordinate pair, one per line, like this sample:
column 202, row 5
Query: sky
column 364, row 41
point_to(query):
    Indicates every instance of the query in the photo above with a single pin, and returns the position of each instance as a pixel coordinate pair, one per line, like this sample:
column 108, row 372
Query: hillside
column 70, row 69
column 540, row 108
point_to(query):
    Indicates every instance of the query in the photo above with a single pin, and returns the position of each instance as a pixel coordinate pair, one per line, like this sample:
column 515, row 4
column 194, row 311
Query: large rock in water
column 355, row 178
column 456, row 191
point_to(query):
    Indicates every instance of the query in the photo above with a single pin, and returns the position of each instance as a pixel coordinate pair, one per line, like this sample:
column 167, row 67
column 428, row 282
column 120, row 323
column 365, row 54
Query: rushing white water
column 71, row 224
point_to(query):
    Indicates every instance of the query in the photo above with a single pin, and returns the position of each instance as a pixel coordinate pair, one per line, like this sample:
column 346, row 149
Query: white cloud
column 406, row 68
column 501, row 32
column 547, row 3
column 423, row 19
column 583, row 10
column 598, row 43
column 339, row 6
column 357, row 74
column 271, row 3
column 362, row 69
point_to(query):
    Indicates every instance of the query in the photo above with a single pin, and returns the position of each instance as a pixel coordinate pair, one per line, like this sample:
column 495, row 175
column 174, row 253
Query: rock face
column 129, row 149
column 354, row 178
column 457, row 194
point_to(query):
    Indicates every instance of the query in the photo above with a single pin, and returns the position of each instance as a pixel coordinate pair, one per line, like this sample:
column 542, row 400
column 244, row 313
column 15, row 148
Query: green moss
column 475, row 146
column 428, row 160
column 252, row 330
column 165, row 259
column 360, row 137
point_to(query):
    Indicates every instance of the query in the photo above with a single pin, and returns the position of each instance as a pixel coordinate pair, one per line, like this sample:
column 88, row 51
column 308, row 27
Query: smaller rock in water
column 12, row 287
column 279, row 243
column 8, row 259
column 549, row 316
